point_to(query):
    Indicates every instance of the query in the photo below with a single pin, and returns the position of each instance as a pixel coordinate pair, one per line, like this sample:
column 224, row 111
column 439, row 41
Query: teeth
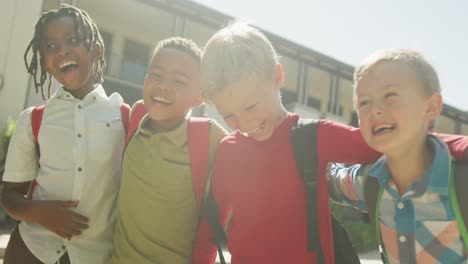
column 383, row 127
column 252, row 131
column 161, row 99
column 68, row 63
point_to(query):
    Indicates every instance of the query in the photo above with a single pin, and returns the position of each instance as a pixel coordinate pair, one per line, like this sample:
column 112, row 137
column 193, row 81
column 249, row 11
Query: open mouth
column 382, row 129
column 68, row 66
column 257, row 129
column 161, row 100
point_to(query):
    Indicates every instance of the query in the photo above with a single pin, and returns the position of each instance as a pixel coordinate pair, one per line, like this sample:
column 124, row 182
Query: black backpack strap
column 371, row 193
column 303, row 141
column 211, row 211
column 371, row 190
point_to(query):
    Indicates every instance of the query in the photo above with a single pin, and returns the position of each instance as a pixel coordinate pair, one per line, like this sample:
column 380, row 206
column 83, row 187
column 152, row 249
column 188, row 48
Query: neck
column 158, row 126
column 409, row 165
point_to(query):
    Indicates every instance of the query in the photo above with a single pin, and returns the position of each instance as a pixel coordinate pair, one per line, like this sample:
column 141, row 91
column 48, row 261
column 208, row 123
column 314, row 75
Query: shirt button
column 58, row 251
column 401, row 205
column 79, row 169
column 94, row 97
column 63, row 247
column 107, row 125
column 79, row 135
column 79, row 106
column 402, row 239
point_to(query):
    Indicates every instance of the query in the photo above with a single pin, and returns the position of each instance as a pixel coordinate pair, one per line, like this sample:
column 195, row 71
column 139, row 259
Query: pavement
column 372, row 257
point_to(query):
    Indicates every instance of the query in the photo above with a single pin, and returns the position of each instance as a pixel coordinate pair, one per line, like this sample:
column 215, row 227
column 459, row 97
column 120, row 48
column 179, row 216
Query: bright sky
column 349, row 30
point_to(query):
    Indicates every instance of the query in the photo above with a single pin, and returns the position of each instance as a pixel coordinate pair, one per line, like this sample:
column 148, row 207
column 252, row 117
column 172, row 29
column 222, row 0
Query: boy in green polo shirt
column 157, row 215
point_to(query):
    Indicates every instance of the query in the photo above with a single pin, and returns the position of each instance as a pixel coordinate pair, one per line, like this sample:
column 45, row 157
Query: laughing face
column 252, row 105
column 66, row 57
column 394, row 111
column 171, row 88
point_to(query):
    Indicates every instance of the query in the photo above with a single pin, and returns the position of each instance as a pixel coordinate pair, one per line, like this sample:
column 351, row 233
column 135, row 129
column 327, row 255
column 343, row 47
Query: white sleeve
column 22, row 159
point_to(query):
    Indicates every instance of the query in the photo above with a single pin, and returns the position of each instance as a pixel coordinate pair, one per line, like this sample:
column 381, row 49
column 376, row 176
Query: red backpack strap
column 136, row 115
column 125, row 112
column 199, row 149
column 36, row 119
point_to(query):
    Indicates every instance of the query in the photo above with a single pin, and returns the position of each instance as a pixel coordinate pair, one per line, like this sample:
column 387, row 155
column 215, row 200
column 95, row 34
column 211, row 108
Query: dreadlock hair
column 180, row 44
column 90, row 36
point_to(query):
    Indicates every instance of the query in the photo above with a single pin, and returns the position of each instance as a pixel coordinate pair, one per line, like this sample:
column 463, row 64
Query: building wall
column 17, row 19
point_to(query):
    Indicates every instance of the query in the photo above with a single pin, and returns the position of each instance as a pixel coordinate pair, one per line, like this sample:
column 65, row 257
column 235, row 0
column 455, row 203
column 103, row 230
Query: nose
column 377, row 109
column 163, row 84
column 63, row 50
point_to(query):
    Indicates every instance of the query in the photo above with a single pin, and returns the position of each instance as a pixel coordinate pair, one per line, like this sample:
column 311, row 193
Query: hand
column 57, row 217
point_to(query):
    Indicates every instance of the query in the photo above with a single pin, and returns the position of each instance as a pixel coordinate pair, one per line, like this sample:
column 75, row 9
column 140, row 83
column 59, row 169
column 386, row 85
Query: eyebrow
column 179, row 73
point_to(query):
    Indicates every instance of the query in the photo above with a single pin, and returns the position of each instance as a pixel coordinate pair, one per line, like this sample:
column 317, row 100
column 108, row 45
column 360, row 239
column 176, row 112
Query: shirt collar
column 97, row 94
column 178, row 136
column 436, row 177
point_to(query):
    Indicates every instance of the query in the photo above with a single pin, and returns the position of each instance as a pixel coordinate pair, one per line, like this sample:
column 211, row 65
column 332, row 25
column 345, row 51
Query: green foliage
column 6, row 136
column 362, row 234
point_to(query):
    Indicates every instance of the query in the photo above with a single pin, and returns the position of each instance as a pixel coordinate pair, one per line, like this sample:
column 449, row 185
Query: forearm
column 344, row 187
column 18, row 206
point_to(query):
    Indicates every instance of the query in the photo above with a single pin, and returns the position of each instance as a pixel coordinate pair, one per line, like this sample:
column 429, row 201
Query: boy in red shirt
column 254, row 175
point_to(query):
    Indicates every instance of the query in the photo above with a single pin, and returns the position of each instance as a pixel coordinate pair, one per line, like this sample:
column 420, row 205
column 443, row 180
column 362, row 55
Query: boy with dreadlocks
column 65, row 197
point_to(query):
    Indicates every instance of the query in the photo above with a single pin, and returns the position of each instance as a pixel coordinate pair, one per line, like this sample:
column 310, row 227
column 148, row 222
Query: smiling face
column 252, row 105
column 66, row 57
column 394, row 110
column 171, row 88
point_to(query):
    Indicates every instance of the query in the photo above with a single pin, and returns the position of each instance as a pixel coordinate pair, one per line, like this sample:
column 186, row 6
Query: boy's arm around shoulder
column 457, row 144
column 204, row 249
column 345, row 184
column 341, row 143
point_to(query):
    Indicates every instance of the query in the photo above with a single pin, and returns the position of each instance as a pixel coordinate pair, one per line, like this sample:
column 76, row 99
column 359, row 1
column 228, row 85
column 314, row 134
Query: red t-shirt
column 259, row 182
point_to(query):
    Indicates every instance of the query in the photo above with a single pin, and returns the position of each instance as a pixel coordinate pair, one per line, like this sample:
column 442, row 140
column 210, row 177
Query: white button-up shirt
column 81, row 142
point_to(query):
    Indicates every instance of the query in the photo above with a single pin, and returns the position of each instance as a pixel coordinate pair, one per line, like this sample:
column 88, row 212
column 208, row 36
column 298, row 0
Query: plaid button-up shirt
column 417, row 227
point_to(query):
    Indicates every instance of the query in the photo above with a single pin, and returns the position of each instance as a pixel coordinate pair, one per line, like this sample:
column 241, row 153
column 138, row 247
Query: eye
column 179, row 82
column 50, row 46
column 74, row 40
column 251, row 107
column 363, row 103
column 390, row 94
column 154, row 76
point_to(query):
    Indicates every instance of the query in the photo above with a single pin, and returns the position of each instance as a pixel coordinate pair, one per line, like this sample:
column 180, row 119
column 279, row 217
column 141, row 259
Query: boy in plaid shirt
column 397, row 97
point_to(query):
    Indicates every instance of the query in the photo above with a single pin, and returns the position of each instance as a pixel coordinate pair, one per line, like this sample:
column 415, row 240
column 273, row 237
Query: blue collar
column 436, row 177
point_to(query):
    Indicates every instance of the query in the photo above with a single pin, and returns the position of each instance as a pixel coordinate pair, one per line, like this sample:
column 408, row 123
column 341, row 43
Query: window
column 445, row 124
column 134, row 61
column 464, row 129
column 345, row 98
column 107, row 39
column 291, row 76
column 199, row 33
column 318, row 88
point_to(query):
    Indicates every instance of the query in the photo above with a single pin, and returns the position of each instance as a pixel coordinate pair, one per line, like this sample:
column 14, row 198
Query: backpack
column 458, row 180
column 36, row 120
column 303, row 141
column 198, row 144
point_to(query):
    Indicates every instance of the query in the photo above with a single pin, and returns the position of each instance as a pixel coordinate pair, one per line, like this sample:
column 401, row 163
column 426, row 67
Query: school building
column 317, row 85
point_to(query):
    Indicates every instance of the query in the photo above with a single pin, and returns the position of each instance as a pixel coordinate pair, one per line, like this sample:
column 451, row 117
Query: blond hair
column 236, row 52
column 419, row 64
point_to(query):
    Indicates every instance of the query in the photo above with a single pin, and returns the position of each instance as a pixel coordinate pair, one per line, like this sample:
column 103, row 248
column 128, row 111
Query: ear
column 197, row 101
column 96, row 51
column 279, row 76
column 434, row 106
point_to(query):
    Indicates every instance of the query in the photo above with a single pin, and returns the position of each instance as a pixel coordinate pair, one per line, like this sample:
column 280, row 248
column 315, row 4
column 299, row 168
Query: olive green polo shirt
column 157, row 209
